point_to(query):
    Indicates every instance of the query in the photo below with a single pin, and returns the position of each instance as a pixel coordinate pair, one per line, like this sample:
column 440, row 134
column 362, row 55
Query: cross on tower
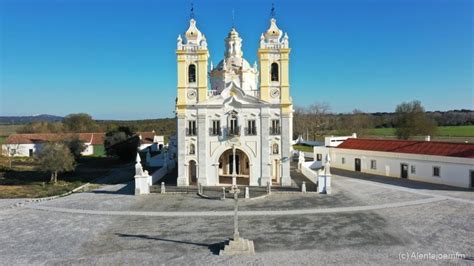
column 191, row 15
column 272, row 12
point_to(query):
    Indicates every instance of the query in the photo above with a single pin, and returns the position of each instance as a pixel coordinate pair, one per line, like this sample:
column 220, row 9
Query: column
column 265, row 148
column 285, row 148
column 181, row 138
column 202, row 149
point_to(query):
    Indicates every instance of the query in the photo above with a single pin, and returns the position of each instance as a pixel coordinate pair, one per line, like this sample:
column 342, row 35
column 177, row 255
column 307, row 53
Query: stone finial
column 138, row 167
column 327, row 165
column 262, row 41
column 138, row 158
column 179, row 44
column 285, row 41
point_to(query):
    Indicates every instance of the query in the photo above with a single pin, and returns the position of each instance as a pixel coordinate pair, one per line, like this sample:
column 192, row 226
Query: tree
column 80, row 123
column 121, row 142
column 41, row 127
column 56, row 158
column 359, row 122
column 411, row 120
column 75, row 146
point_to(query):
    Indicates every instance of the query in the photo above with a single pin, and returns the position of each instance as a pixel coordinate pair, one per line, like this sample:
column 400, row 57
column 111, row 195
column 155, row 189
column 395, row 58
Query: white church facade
column 233, row 113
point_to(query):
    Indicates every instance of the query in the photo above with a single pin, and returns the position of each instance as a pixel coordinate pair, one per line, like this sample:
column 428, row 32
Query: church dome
column 234, row 68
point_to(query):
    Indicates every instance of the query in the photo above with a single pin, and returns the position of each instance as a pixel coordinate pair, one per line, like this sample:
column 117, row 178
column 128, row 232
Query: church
column 233, row 119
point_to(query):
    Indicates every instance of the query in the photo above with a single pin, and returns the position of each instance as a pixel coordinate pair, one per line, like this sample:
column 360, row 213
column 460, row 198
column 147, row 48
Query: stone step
column 239, row 247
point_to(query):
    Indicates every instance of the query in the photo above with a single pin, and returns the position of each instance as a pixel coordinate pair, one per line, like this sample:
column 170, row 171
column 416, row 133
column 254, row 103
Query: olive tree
column 411, row 120
column 55, row 158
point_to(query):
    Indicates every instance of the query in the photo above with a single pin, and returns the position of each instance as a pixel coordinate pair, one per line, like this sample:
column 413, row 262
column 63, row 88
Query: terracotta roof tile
column 94, row 138
column 451, row 149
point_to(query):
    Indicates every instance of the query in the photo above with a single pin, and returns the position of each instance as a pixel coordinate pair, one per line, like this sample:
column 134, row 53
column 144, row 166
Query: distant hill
column 18, row 120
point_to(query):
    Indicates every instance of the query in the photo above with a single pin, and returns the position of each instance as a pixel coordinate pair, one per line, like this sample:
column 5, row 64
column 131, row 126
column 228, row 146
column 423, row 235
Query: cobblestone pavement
column 363, row 221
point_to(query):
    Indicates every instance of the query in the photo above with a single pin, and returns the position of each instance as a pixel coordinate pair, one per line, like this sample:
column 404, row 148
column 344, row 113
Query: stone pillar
column 247, row 194
column 265, row 147
column 163, row 188
column 181, row 150
column 285, row 149
column 141, row 184
column 303, row 187
column 202, row 149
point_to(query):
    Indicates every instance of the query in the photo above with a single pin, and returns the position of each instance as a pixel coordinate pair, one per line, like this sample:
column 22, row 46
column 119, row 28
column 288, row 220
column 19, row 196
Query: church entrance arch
column 226, row 166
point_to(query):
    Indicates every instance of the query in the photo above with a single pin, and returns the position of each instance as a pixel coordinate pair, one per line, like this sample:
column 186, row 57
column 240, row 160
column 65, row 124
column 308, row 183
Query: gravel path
column 362, row 222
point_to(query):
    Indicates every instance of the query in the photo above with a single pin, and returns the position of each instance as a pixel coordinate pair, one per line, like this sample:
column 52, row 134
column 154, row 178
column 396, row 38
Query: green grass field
column 99, row 151
column 2, row 139
column 449, row 131
column 303, row 148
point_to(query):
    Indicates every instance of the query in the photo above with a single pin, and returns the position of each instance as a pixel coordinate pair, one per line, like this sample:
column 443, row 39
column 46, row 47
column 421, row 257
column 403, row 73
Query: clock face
column 192, row 94
column 274, row 93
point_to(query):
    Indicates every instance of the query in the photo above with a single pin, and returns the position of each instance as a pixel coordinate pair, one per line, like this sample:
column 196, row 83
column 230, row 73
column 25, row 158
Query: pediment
column 233, row 96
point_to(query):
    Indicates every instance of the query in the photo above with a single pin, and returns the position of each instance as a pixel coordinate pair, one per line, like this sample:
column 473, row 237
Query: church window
column 233, row 125
column 275, row 129
column 275, row 149
column 192, row 149
column 191, row 130
column 192, row 73
column 251, row 129
column 274, row 72
column 216, row 128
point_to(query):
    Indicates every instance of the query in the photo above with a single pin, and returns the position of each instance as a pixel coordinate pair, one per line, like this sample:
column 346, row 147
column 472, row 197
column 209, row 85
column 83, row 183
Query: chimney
column 428, row 138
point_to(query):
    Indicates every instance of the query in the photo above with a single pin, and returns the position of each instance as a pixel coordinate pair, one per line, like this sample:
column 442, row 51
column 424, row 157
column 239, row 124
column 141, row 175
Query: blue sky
column 116, row 59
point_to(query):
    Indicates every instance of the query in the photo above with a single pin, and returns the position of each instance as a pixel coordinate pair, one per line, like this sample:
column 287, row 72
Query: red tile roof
column 147, row 137
column 450, row 149
column 93, row 138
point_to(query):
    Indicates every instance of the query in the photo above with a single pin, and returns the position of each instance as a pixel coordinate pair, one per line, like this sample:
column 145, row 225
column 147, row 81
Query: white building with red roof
column 27, row 145
column 446, row 163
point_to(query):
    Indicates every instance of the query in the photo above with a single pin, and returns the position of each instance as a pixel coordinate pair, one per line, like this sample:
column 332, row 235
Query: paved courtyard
column 365, row 220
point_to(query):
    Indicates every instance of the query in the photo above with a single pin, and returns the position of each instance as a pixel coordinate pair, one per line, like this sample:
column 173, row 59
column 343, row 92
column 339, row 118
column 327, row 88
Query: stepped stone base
column 241, row 246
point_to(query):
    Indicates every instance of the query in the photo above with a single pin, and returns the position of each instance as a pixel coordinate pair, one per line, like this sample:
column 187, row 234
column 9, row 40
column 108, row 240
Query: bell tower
column 273, row 56
column 192, row 57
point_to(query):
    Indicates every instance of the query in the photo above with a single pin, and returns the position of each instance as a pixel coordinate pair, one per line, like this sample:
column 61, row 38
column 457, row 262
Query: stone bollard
column 163, row 189
column 223, row 192
column 303, row 187
column 199, row 188
column 269, row 188
column 247, row 194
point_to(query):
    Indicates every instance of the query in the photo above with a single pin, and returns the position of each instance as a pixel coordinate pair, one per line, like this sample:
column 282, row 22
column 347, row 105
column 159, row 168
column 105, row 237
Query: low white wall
column 454, row 171
column 306, row 170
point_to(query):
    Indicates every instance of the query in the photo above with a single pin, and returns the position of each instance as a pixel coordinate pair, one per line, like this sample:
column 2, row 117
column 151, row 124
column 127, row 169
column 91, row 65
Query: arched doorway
column 192, row 173
column 242, row 167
